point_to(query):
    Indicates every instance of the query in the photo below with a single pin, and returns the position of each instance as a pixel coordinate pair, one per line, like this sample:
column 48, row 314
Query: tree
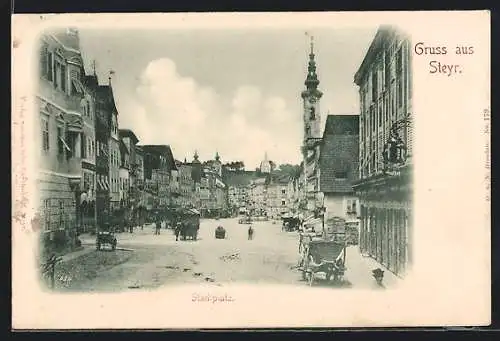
column 291, row 170
column 234, row 166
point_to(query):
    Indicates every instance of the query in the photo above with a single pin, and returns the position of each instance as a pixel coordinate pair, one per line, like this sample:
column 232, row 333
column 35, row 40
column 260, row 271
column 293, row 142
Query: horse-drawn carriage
column 106, row 236
column 322, row 256
column 290, row 223
column 188, row 224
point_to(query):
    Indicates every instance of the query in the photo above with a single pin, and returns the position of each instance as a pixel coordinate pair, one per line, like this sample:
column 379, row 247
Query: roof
column 123, row 147
column 339, row 154
column 163, row 149
column 341, row 125
column 383, row 34
column 128, row 133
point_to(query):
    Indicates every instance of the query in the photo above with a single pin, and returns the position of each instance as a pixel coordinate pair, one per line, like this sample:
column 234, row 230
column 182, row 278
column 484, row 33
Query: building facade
column 385, row 187
column 277, row 195
column 338, row 164
column 159, row 163
column 124, row 175
column 114, row 155
column 186, row 184
column 137, row 185
column 130, row 141
column 258, row 197
column 311, row 97
column 103, row 120
column 59, row 99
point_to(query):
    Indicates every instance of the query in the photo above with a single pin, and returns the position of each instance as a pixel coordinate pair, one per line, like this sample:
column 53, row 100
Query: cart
column 245, row 220
column 220, row 233
column 323, row 256
column 106, row 238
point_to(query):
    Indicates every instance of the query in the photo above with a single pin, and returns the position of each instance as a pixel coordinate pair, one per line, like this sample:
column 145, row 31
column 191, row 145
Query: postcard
column 251, row 170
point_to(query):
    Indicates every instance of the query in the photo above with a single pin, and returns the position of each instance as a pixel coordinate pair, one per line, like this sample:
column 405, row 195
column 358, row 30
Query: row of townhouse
column 360, row 166
column 89, row 169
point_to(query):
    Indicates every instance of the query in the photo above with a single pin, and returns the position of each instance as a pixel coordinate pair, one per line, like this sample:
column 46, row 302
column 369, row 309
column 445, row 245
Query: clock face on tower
column 312, row 100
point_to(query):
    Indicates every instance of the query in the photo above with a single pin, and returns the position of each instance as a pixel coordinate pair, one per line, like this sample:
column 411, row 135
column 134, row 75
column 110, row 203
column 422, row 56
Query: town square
column 242, row 157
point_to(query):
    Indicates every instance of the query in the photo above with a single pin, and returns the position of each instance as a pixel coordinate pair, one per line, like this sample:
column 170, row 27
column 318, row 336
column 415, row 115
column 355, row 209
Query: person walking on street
column 157, row 226
column 250, row 233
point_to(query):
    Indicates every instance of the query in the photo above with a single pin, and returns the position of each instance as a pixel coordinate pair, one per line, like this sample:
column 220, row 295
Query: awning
column 100, row 184
column 78, row 85
column 64, row 144
column 313, row 222
column 106, row 183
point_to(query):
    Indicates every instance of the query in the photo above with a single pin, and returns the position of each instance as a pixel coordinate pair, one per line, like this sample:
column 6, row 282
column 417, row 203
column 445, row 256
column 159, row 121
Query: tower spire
column 312, row 81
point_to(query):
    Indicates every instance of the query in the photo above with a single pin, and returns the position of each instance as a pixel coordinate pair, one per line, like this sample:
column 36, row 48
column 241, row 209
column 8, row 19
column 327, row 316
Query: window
column 63, row 77
column 57, row 74
column 60, row 141
column 374, row 85
column 283, row 203
column 312, row 112
column 351, row 206
column 62, row 220
column 50, row 66
column 283, row 191
column 43, row 60
column 45, row 134
column 84, row 146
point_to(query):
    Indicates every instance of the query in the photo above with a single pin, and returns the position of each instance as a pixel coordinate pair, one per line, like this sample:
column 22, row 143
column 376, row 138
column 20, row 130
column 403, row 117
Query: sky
column 235, row 92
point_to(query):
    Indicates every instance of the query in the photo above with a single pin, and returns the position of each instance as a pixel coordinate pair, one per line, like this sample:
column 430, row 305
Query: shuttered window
column 44, row 60
column 50, row 66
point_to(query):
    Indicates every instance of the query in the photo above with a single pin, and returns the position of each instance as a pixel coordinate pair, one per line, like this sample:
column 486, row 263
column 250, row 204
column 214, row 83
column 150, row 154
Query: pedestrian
column 177, row 230
column 250, row 233
column 157, row 226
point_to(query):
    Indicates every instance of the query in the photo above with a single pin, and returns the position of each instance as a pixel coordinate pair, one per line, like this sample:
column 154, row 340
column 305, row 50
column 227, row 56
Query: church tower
column 312, row 135
column 311, row 97
column 218, row 163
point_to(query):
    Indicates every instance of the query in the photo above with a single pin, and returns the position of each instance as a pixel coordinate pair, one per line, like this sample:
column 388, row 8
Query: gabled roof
column 341, row 125
column 339, row 154
column 123, row 147
column 163, row 149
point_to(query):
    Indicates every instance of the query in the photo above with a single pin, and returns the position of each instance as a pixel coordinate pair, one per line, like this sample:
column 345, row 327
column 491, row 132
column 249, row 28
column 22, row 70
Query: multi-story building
column 385, row 150
column 114, row 155
column 124, row 175
column 186, row 184
column 103, row 118
column 130, row 141
column 137, row 186
column 277, row 195
column 158, row 165
column 89, row 138
column 175, row 186
column 60, row 98
column 258, row 196
column 293, row 195
column 238, row 183
column 338, row 165
column 311, row 97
